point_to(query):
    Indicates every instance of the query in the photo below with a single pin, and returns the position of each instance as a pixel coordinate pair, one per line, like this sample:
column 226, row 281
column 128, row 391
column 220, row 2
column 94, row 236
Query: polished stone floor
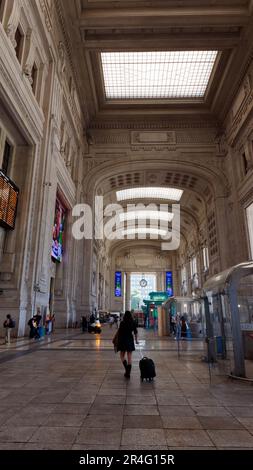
column 67, row 391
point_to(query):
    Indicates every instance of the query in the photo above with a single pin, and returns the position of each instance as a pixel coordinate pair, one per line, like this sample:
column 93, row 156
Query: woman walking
column 126, row 341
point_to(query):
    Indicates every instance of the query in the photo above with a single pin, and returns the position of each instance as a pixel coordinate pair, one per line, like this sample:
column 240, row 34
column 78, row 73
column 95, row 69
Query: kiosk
column 228, row 303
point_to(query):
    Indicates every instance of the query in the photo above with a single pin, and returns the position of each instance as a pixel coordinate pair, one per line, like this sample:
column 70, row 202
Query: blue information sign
column 118, row 284
column 169, row 283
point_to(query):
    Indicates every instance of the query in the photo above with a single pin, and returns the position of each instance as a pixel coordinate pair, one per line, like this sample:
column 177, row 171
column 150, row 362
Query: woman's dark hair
column 128, row 316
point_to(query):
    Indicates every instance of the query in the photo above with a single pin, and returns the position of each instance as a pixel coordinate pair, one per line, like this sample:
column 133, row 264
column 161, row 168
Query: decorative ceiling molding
column 191, row 124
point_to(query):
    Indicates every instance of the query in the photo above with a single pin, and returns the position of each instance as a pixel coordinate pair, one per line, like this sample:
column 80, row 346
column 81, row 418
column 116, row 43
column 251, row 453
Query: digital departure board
column 8, row 202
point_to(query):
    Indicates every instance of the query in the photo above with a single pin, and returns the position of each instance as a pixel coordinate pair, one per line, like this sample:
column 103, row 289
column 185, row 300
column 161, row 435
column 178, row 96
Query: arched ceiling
column 192, row 203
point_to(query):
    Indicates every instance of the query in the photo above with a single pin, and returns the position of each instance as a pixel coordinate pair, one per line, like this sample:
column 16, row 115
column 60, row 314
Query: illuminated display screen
column 8, row 202
column 58, row 232
column 169, row 283
column 118, row 287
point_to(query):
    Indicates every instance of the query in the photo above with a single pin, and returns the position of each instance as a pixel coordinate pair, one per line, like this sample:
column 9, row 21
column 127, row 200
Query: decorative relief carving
column 193, row 136
column 30, row 57
column 242, row 105
column 102, row 138
column 149, row 137
column 13, row 22
column 150, row 148
column 221, row 143
column 156, row 139
column 47, row 13
column 62, row 56
column 240, row 116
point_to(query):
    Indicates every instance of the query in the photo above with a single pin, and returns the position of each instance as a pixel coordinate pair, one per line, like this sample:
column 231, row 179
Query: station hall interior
column 126, row 183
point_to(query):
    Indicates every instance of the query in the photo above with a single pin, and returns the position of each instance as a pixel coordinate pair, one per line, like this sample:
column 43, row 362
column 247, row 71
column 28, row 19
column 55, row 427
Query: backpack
column 11, row 324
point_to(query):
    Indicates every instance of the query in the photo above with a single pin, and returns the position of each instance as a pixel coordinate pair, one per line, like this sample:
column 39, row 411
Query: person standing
column 8, row 325
column 53, row 320
column 84, row 323
column 125, row 344
column 92, row 318
column 183, row 327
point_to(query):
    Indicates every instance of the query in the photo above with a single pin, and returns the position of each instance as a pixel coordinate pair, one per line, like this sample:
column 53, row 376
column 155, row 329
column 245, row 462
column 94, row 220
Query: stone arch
column 214, row 177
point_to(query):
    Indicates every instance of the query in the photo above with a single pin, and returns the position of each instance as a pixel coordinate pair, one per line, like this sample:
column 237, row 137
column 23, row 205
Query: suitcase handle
column 141, row 355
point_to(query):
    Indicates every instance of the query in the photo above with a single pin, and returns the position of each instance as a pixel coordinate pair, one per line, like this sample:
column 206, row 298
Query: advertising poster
column 58, row 232
column 118, row 284
column 169, row 283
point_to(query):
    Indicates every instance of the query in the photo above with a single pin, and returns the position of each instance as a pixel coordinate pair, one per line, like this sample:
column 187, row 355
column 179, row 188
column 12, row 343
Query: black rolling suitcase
column 147, row 369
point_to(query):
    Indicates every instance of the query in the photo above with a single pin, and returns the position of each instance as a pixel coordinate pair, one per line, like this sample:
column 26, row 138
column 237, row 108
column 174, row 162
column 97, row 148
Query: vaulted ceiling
column 95, row 26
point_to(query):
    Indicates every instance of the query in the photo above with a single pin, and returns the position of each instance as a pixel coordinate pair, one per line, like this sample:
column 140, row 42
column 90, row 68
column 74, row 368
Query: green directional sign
column 158, row 296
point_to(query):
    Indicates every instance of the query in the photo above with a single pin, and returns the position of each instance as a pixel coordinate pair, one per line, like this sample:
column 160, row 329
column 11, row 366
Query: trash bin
column 219, row 344
column 211, row 350
column 41, row 331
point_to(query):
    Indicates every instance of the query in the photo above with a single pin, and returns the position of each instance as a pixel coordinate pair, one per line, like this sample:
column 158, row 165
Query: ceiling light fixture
column 170, row 194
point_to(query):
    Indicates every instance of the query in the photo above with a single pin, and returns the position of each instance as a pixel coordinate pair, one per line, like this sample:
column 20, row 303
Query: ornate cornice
column 156, row 139
column 138, row 125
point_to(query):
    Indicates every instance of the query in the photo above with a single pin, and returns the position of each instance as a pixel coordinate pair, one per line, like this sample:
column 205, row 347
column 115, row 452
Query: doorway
column 140, row 287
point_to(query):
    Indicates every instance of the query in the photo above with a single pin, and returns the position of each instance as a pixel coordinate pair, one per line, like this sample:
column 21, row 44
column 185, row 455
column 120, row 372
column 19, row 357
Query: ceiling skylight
column 171, row 194
column 146, row 214
column 157, row 75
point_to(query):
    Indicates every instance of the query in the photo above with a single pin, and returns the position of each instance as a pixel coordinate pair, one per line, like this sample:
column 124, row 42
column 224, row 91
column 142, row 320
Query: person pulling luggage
column 125, row 341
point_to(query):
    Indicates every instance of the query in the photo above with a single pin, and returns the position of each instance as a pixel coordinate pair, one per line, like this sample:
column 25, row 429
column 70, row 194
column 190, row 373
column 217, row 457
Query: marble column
column 128, row 291
column 160, row 281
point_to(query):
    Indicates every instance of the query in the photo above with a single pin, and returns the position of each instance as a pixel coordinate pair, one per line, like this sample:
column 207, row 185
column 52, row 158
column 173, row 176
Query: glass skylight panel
column 171, row 194
column 157, row 75
column 146, row 214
